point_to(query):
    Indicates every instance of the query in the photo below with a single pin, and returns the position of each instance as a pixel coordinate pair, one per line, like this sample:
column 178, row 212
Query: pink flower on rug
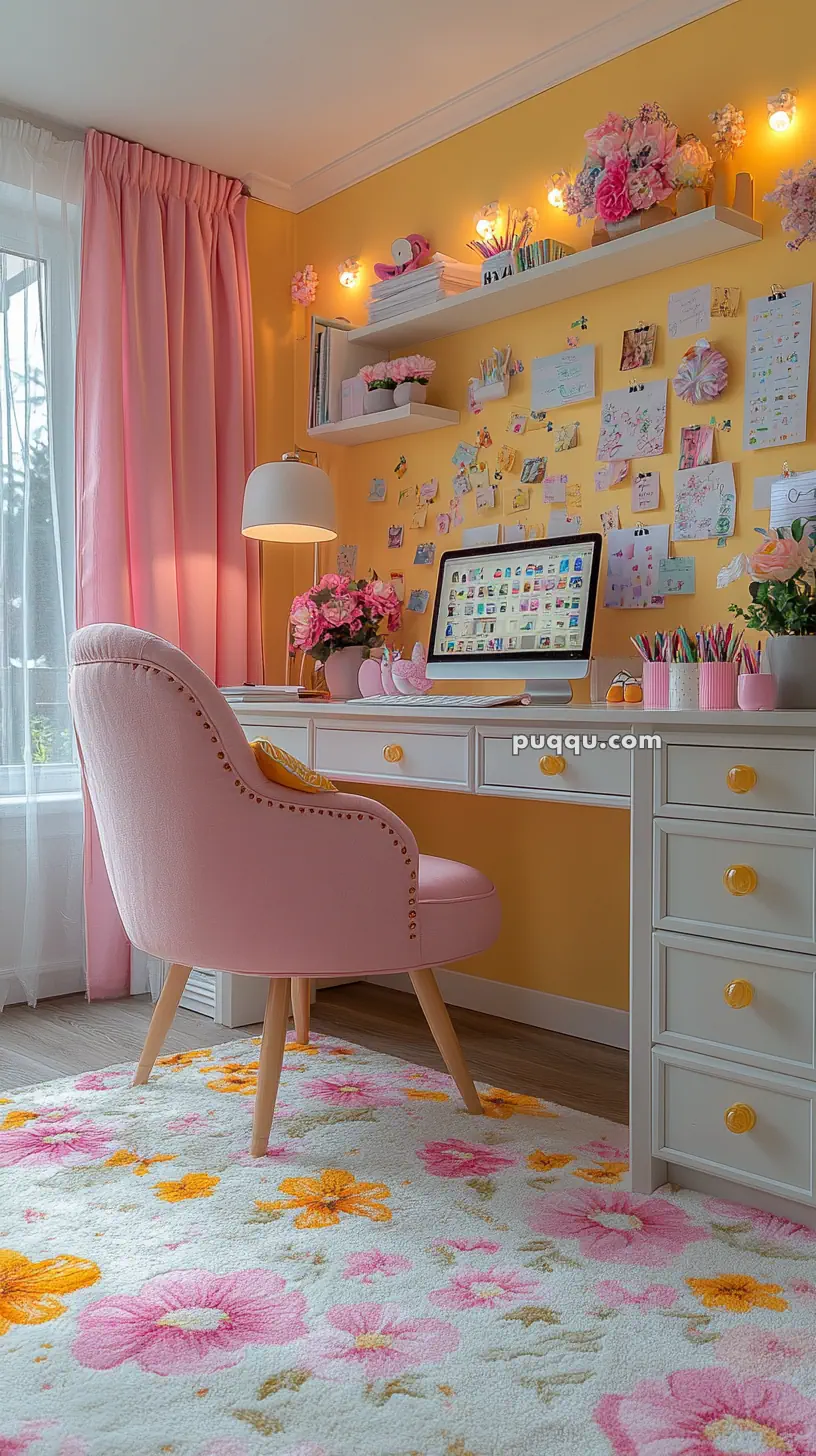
column 189, row 1321
column 191, row 1122
column 226, row 1447
column 350, row 1089
column 373, row 1340
column 101, row 1081
column 365, row 1266
column 708, row 1413
column 615, row 1296
column 483, row 1288
column 277, row 1153
column 623, row 1228
column 32, row 1215
column 604, row 1152
column 754, row 1351
column 66, row 1140
column 803, row 1288
column 457, row 1159
column 469, row 1246
column 29, row 1432
column 767, row 1225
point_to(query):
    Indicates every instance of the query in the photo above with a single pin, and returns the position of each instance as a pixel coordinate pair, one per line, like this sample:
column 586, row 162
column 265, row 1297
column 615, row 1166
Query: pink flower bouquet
column 783, row 581
column 412, row 369
column 378, row 376
column 797, row 192
column 339, row 612
column 627, row 167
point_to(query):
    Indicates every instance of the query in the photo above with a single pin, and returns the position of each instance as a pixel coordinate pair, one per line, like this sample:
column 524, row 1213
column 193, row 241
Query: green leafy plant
column 783, row 582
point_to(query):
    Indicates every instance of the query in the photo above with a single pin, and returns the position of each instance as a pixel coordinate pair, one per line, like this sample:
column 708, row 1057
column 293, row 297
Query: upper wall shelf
column 409, row 419
column 683, row 240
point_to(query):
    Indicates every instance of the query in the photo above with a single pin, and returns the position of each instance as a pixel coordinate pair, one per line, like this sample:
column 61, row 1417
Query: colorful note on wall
column 778, row 364
column 633, row 423
column 632, row 561
column 611, row 474
column 565, row 378
column 676, row 575
column 554, row 490
column 376, row 490
column 646, row 491
column 705, row 502
column 689, row 311
column 346, row 560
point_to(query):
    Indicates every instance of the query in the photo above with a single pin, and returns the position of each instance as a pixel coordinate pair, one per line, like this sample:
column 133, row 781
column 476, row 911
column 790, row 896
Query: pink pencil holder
column 756, row 691
column 655, row 685
column 718, row 686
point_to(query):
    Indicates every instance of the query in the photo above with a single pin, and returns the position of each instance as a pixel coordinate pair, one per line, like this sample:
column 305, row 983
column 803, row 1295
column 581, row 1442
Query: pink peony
column 607, row 138
column 382, row 601
column 612, row 201
column 651, row 142
column 189, row 1321
column 342, row 611
column 371, row 1340
column 330, row 581
column 753, row 1351
column 305, row 621
column 614, row 1296
column 457, row 1159
column 65, row 1139
column 348, row 1089
column 779, row 559
column 647, row 186
column 707, row 1413
column 483, row 1289
column 624, row 1228
column 365, row 1266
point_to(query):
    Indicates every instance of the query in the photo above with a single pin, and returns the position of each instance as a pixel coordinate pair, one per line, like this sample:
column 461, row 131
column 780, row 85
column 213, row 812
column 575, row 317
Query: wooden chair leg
column 301, row 993
column 429, row 997
column 161, row 1021
column 270, row 1062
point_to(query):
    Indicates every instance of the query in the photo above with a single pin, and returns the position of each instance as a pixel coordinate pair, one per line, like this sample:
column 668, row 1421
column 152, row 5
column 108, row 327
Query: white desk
column 694, row 1056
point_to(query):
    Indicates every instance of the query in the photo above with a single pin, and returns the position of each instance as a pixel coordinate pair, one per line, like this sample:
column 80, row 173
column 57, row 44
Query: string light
column 782, row 109
column 484, row 221
column 557, row 189
column 349, row 272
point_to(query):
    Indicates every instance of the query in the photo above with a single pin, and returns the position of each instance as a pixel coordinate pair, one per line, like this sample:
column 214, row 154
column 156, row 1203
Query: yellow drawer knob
column 393, row 753
column 741, row 779
column 740, row 880
column 740, row 1117
column 552, row 763
column 738, row 994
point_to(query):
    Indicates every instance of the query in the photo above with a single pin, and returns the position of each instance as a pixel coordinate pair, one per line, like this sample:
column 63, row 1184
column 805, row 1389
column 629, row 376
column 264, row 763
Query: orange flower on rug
column 323, row 1199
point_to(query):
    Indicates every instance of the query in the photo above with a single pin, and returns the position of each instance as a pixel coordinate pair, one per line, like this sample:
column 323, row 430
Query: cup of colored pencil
column 718, row 651
column 756, row 690
column 655, row 655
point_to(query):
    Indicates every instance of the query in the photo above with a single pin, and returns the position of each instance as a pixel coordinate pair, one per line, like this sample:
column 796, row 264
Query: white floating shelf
column 409, row 419
column 666, row 245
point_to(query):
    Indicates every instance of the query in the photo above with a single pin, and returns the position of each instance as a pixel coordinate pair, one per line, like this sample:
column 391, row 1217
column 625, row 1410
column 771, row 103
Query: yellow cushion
column 283, row 768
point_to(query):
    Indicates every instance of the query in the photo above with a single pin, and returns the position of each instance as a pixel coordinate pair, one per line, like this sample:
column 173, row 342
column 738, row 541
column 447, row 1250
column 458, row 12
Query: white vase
column 341, row 670
column 792, row 660
column 375, row 400
column 410, row 392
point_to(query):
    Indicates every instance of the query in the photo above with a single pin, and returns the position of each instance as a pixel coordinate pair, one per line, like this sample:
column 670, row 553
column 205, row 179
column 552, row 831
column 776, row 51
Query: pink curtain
column 165, row 436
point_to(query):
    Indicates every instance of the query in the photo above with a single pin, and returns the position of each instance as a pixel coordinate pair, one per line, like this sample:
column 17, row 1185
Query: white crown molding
column 641, row 22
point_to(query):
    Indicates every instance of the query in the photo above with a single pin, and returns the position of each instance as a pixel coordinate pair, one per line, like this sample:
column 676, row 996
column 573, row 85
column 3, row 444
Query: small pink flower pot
column 718, row 686
column 756, row 691
column 655, row 685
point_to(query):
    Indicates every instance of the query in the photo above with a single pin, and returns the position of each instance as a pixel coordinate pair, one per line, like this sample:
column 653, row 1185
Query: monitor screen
column 533, row 599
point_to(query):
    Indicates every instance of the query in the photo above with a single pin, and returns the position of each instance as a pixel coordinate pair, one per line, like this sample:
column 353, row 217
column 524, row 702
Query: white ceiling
column 304, row 97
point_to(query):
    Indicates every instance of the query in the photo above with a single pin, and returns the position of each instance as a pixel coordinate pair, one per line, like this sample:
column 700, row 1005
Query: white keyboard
column 437, row 700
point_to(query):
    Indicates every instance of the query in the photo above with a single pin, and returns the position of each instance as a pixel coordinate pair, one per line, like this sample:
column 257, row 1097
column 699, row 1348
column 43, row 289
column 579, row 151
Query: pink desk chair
column 212, row 865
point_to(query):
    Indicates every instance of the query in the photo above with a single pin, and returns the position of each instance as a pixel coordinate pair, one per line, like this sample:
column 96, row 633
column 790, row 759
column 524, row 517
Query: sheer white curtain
column 41, row 949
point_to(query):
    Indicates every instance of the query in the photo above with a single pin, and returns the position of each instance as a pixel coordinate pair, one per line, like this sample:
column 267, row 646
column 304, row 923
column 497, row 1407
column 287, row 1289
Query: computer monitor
column 524, row 610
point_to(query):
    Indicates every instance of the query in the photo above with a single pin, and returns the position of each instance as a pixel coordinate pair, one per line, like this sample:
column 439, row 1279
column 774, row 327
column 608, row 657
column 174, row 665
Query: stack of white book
column 439, row 279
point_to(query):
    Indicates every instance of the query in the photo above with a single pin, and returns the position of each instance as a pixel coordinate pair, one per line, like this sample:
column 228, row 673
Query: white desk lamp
column 290, row 502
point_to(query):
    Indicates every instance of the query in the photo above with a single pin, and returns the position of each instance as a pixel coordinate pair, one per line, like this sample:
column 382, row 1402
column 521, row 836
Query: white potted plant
column 783, row 604
column 379, row 385
column 411, row 376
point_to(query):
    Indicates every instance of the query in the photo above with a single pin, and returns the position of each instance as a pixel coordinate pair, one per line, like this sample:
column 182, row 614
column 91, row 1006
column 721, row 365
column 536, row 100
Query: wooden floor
column 66, row 1036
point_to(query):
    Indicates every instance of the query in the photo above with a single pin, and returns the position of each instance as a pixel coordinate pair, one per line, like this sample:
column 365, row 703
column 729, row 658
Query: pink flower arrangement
column 411, row 368
column 628, row 166
column 339, row 612
column 378, row 376
column 622, row 1228
column 691, row 165
column 707, row 1412
column 797, row 192
column 189, row 1321
column 370, row 1341
column 783, row 581
column 304, row 285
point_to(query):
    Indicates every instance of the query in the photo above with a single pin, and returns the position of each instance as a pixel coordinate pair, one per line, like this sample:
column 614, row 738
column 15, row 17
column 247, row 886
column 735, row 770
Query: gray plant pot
column 792, row 660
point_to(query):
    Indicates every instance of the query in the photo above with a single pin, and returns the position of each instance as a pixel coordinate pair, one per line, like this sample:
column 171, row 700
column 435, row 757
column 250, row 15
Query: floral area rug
column 395, row 1278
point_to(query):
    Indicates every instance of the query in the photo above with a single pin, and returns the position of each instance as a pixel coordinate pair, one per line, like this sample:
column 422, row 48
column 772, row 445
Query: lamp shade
column 287, row 500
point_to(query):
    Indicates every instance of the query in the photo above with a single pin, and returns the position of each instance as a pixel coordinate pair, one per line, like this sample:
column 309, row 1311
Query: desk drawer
column 772, row 874
column 741, row 780
column 753, row 1006
column 600, row 770
column 291, row 738
column 693, row 1096
column 437, row 759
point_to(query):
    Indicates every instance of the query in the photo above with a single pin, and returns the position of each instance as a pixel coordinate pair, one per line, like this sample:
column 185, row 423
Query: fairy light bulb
column 484, row 228
column 555, row 197
column 781, row 110
column 557, row 191
column 349, row 272
column 485, row 221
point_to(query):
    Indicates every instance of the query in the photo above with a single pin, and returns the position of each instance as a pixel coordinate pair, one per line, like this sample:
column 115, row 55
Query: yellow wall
column 543, row 858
